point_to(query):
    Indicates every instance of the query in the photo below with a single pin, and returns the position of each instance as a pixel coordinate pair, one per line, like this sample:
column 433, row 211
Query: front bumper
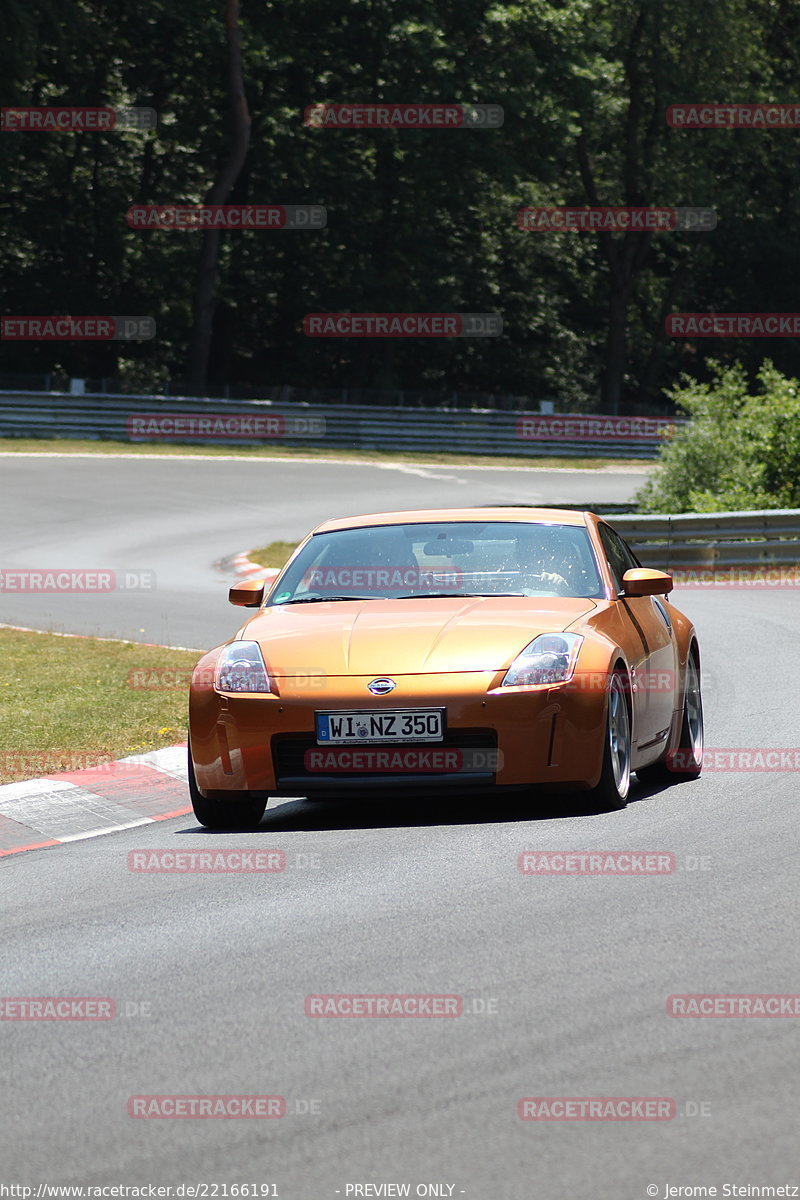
column 549, row 735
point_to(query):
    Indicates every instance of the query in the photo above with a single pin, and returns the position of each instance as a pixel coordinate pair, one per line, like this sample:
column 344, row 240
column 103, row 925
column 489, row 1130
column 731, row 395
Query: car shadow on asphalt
column 384, row 811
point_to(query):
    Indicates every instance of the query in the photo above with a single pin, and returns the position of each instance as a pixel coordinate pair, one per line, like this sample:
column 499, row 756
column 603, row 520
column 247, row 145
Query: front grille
column 288, row 751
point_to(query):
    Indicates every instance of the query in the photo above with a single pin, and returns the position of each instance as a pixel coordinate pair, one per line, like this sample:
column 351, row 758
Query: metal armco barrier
column 699, row 540
column 362, row 427
column 706, row 541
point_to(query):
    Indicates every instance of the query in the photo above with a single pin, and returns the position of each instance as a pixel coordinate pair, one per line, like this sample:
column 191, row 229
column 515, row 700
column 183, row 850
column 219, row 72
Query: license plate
column 385, row 725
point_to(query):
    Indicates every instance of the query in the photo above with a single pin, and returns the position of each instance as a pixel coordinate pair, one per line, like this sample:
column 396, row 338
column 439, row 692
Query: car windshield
column 487, row 558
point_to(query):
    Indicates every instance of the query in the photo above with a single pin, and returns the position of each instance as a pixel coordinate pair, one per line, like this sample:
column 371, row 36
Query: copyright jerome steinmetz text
column 666, row 1191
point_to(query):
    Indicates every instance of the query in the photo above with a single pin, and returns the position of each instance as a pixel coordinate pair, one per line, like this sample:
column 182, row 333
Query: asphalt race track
column 564, row 979
column 176, row 517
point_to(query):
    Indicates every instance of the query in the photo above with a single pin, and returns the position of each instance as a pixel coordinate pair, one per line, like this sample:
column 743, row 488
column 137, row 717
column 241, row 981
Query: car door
column 655, row 679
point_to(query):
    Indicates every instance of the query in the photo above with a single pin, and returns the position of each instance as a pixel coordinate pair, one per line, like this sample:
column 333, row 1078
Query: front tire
column 241, row 811
column 612, row 789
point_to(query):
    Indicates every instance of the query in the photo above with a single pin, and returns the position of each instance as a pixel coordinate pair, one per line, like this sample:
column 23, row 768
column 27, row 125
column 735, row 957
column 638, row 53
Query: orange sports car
column 462, row 649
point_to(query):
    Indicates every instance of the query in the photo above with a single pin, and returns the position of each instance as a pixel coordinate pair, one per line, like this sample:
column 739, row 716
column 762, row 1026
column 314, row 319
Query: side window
column 633, row 559
column 620, row 558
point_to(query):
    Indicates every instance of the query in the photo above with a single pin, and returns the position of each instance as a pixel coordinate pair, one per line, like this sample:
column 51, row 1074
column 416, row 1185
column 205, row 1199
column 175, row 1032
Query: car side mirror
column 643, row 581
column 248, row 593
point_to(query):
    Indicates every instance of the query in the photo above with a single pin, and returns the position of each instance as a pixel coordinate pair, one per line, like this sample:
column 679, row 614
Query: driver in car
column 544, row 562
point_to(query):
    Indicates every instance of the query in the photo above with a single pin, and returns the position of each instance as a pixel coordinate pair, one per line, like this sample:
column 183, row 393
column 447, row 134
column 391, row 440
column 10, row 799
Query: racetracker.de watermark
column 77, row 329
column 65, row 579
column 227, row 216
column 147, row 427
column 752, row 1004
column 376, row 579
column 385, row 1005
column 184, row 862
column 596, row 1108
column 596, row 862
column 402, row 325
column 660, row 682
column 390, row 115
column 593, row 428
column 733, row 325
column 738, row 759
column 733, row 116
column 76, row 119
column 171, row 679
column 33, row 764
column 57, row 1008
column 207, row 1107
column 622, row 219
column 401, row 760
column 737, row 577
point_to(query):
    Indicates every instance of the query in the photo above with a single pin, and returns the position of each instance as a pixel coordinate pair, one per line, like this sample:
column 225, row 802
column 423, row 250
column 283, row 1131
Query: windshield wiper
column 410, row 596
column 457, row 595
column 324, row 599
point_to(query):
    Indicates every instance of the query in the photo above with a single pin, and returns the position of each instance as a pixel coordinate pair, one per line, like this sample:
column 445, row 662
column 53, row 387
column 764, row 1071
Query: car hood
column 405, row 637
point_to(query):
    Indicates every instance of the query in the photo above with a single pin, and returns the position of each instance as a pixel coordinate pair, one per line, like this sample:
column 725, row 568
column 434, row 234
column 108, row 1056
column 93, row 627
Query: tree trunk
column 205, row 299
column 625, row 255
column 655, row 360
column 616, row 347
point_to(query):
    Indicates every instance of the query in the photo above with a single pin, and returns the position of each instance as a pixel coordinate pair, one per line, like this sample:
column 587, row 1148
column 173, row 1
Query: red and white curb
column 243, row 567
column 69, row 806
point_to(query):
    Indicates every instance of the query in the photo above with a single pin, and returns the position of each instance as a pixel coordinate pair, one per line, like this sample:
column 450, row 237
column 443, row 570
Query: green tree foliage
column 418, row 221
column 740, row 449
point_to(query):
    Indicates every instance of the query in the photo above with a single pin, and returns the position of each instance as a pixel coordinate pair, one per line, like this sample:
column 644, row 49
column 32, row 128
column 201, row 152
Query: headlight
column 549, row 658
column 240, row 668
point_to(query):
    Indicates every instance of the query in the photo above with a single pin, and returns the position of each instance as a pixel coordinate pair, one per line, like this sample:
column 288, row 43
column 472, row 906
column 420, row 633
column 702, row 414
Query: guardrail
column 699, row 540
column 17, row 381
column 709, row 541
column 484, row 431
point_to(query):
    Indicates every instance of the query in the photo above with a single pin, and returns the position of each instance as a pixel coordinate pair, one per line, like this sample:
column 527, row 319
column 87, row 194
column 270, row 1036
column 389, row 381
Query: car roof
column 553, row 516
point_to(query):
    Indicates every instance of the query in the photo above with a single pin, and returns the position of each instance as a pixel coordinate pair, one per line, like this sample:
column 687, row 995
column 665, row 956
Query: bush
column 740, row 449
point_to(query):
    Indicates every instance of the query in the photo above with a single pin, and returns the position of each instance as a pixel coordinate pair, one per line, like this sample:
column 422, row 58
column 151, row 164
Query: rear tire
column 241, row 811
column 687, row 761
column 612, row 789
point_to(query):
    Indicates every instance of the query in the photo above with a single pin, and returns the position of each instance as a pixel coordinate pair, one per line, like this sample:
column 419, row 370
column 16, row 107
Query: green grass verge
column 90, row 446
column 64, row 700
column 276, row 554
